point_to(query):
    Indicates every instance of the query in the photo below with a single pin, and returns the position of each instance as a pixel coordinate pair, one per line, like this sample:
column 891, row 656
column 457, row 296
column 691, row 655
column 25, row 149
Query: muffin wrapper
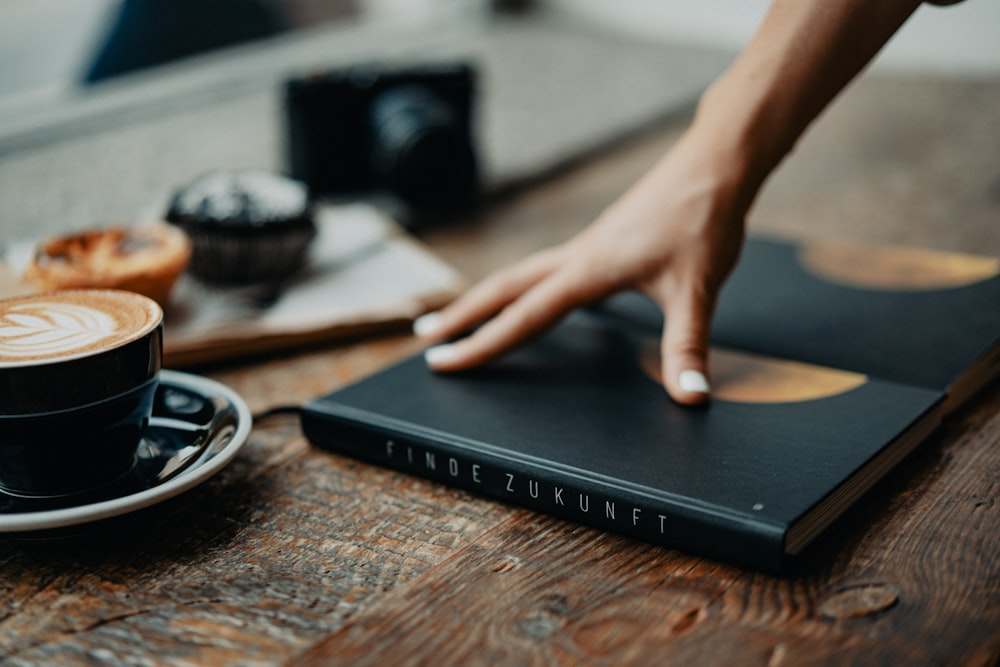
column 243, row 257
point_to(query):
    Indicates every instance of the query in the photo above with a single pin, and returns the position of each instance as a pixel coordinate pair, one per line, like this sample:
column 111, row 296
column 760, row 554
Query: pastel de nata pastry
column 145, row 259
column 245, row 226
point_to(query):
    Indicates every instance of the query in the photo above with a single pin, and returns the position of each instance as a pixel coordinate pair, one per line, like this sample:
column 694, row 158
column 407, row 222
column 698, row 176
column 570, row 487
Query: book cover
column 577, row 425
column 910, row 315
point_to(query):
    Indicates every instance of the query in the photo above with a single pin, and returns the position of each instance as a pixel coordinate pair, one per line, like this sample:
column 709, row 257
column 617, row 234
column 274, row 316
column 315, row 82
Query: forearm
column 802, row 56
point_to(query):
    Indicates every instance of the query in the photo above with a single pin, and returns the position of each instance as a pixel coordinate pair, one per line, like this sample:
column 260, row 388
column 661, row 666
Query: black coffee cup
column 78, row 374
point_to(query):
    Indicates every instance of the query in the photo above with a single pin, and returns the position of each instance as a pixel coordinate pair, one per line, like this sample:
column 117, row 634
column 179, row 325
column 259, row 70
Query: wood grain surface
column 897, row 583
column 296, row 555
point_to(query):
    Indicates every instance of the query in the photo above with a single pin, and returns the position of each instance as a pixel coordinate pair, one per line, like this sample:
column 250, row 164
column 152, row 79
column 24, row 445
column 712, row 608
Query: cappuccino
column 65, row 325
column 78, row 376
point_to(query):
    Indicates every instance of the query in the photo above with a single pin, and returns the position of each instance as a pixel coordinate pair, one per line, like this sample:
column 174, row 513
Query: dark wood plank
column 910, row 578
column 267, row 557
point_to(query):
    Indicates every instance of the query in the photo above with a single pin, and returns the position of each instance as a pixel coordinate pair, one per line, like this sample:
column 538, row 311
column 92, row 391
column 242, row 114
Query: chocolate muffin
column 245, row 226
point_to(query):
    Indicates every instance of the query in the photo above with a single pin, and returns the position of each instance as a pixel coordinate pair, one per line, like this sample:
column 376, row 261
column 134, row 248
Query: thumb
column 684, row 349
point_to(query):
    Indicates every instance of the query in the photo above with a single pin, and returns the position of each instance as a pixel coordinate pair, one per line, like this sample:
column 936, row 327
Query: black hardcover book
column 577, row 425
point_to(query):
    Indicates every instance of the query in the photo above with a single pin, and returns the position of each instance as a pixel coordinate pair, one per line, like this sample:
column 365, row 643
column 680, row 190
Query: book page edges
column 835, row 504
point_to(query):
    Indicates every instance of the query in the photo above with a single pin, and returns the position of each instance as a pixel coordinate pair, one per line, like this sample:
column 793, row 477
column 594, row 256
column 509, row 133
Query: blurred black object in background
column 152, row 32
column 405, row 133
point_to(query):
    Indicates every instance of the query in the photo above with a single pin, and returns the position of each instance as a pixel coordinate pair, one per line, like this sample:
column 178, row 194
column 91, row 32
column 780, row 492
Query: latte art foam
column 70, row 324
column 50, row 328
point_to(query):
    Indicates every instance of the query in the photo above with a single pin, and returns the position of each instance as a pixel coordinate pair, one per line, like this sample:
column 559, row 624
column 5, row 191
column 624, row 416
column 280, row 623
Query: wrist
column 733, row 128
column 724, row 153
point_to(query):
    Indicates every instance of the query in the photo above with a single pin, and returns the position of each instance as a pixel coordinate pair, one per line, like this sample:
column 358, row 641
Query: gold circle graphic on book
column 894, row 268
column 747, row 378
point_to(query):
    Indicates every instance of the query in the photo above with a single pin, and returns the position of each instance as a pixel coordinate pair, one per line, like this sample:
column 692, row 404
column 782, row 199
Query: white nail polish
column 693, row 382
column 439, row 354
column 426, row 324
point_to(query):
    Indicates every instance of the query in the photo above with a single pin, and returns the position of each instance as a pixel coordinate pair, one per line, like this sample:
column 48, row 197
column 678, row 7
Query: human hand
column 677, row 233
column 675, row 236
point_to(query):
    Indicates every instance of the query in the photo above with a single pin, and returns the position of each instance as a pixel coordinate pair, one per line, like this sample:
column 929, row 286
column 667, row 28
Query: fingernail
column 693, row 382
column 426, row 324
column 439, row 354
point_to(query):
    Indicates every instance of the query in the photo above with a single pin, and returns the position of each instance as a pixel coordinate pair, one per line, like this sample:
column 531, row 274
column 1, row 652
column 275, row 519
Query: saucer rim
column 190, row 478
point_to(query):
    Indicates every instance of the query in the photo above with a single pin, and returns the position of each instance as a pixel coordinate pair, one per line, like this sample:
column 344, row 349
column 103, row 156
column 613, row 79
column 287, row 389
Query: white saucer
column 215, row 432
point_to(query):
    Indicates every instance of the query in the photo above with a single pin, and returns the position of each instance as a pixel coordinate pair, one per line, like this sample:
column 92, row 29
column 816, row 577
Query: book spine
column 548, row 489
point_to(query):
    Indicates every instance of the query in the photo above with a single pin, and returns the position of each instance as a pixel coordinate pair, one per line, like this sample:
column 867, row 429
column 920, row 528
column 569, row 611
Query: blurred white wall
column 45, row 43
column 961, row 40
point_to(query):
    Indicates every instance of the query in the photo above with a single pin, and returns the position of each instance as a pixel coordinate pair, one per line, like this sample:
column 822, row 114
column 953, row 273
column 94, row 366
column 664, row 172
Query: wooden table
column 295, row 554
